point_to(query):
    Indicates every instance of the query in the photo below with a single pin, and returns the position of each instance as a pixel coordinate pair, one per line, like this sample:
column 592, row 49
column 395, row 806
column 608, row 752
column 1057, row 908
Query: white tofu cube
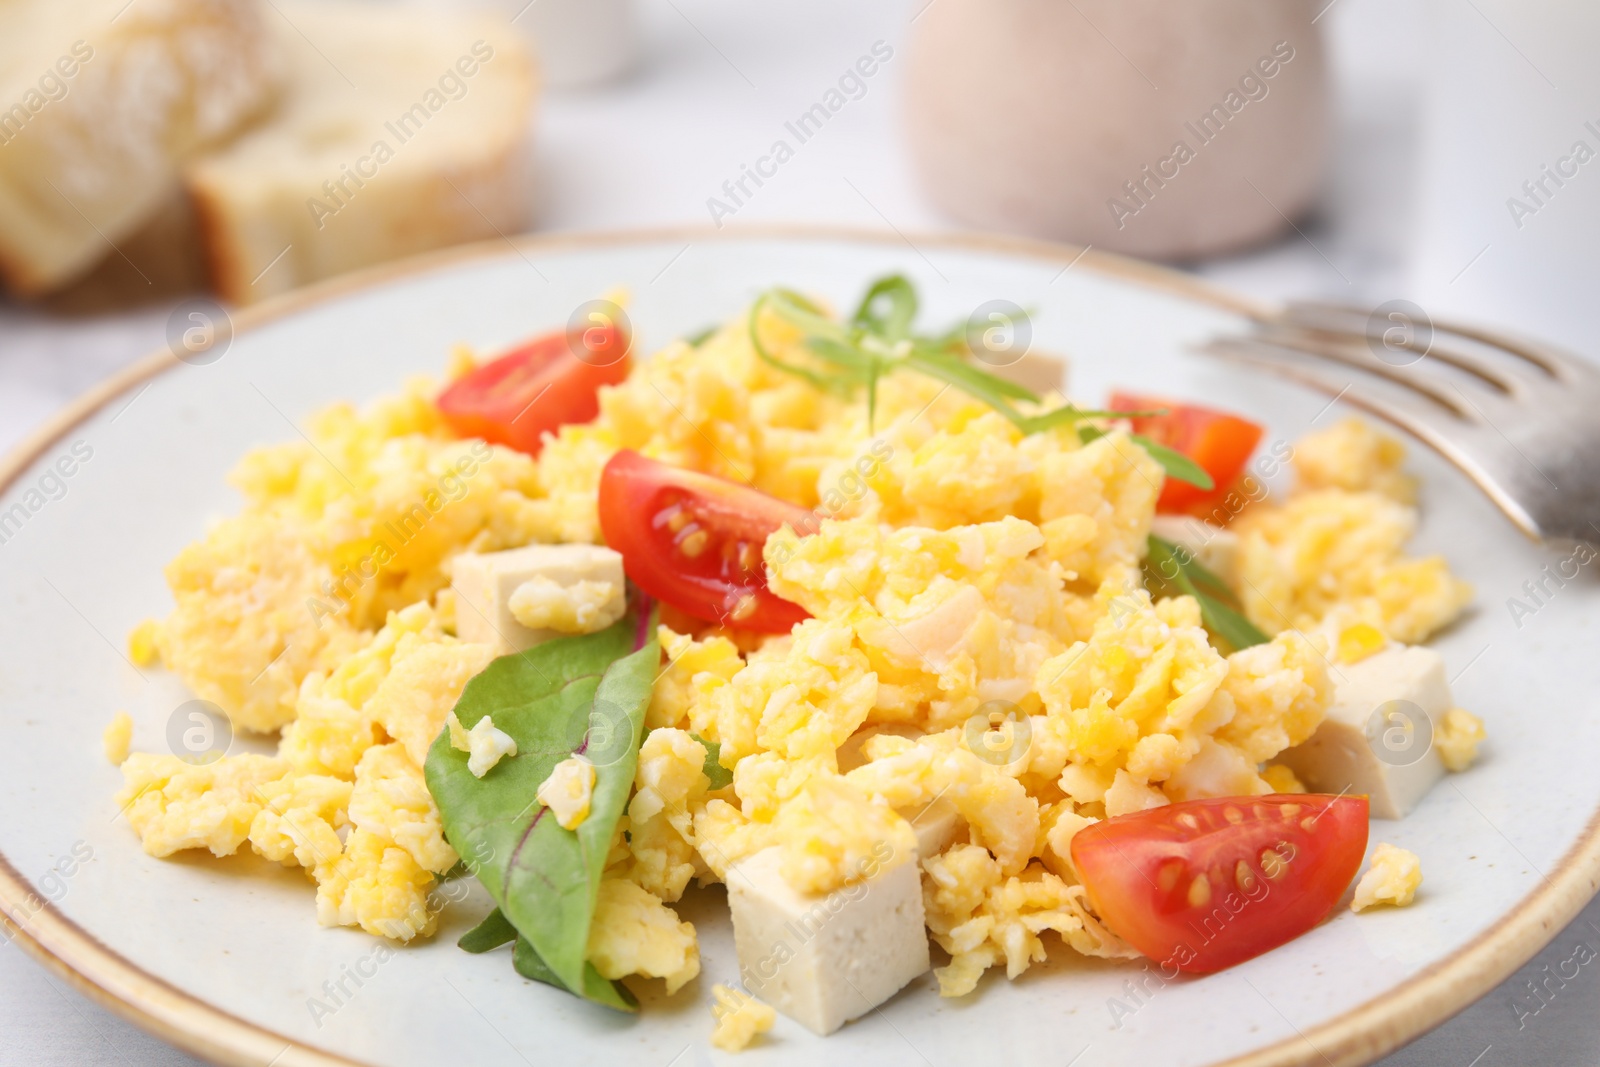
column 937, row 824
column 1039, row 371
column 1217, row 549
column 825, row 959
column 1377, row 737
column 483, row 584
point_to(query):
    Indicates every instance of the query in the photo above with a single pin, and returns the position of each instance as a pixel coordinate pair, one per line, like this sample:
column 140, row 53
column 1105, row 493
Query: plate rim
column 1357, row 1036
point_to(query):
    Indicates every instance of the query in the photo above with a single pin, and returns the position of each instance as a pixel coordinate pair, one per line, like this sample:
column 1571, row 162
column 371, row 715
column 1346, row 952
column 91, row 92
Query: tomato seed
column 694, row 542
column 1272, row 864
column 1244, row 877
column 1169, row 873
column 1200, row 891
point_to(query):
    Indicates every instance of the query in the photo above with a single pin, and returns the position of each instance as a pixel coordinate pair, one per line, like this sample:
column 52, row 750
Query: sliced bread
column 398, row 131
column 101, row 102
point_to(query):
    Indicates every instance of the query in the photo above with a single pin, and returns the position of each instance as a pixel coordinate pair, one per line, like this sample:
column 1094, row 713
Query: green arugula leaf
column 574, row 695
column 1065, row 415
column 969, row 379
column 701, row 336
column 900, row 295
column 720, row 776
column 879, row 339
column 1177, row 465
column 1170, row 570
column 826, row 383
column 992, row 389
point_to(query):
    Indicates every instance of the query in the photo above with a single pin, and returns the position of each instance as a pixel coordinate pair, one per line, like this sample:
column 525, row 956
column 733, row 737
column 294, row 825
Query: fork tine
column 1411, row 344
column 1437, row 423
column 1340, row 349
column 1545, row 361
column 1558, row 365
column 1413, row 412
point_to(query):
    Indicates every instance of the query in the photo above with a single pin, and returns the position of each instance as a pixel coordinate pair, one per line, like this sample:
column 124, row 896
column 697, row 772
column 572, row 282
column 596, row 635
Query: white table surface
column 718, row 78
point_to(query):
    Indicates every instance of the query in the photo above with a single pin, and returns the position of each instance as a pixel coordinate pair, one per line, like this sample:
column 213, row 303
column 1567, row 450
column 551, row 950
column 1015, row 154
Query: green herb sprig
column 1177, row 465
column 1170, row 570
column 878, row 339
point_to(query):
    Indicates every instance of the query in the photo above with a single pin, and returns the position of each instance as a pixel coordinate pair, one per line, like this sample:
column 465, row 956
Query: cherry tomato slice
column 1219, row 442
column 694, row 541
column 1206, row 884
column 538, row 386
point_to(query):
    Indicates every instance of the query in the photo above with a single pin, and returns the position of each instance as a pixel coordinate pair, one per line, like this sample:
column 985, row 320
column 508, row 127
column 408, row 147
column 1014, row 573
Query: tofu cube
column 1369, row 742
column 937, row 824
column 483, row 584
column 1215, row 548
column 1039, row 371
column 824, row 959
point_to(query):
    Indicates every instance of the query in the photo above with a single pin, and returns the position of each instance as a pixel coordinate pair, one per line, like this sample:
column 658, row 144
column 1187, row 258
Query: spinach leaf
column 575, row 695
column 496, row 930
column 525, row 958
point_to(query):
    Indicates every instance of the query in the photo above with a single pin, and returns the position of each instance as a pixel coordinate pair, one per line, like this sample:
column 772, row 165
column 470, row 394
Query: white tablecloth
column 718, row 81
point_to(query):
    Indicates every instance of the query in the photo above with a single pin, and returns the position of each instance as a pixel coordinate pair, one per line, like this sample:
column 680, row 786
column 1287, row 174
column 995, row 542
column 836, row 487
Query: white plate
column 223, row 957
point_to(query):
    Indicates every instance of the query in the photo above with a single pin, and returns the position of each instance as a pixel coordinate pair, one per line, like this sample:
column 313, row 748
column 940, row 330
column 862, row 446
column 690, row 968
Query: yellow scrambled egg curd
column 1458, row 737
column 567, row 791
column 1337, row 545
column 983, row 917
column 740, row 1018
column 350, row 764
column 337, row 531
column 116, row 737
column 670, row 784
column 1354, row 455
column 484, row 744
column 633, row 932
column 1392, row 878
column 580, row 608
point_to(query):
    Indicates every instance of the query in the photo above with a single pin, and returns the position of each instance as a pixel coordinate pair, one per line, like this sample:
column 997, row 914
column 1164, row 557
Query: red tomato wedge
column 538, row 386
column 1206, row 884
column 694, row 541
column 1219, row 442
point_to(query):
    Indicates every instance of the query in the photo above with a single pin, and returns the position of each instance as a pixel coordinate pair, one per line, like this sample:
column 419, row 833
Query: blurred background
column 1360, row 151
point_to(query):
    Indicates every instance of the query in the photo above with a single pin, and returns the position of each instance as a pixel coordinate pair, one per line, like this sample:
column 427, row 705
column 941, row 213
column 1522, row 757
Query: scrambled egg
column 634, row 933
column 116, row 737
column 1336, row 545
column 980, row 636
column 485, row 745
column 740, row 1018
column 567, row 791
column 1458, row 737
column 1392, row 878
column 581, row 608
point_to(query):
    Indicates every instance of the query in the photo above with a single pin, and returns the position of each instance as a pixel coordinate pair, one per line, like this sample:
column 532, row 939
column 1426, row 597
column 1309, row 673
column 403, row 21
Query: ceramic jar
column 1160, row 129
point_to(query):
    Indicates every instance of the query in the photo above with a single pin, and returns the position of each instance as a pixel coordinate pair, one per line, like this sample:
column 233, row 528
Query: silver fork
column 1518, row 417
